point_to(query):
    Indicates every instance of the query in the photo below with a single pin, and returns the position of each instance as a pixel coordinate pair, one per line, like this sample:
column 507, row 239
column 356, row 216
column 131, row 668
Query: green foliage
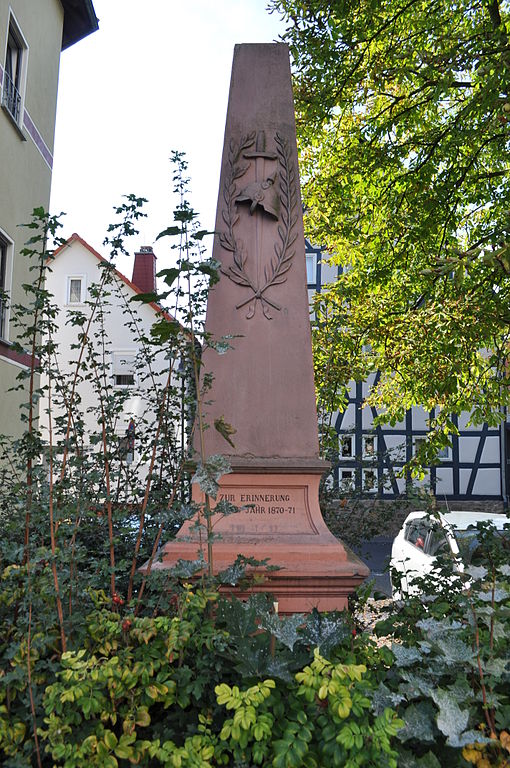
column 403, row 123
column 92, row 674
column 451, row 676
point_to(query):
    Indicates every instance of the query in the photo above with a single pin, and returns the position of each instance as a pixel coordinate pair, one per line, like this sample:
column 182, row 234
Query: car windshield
column 469, row 545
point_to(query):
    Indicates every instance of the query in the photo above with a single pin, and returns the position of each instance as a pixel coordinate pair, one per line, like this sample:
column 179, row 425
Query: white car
column 423, row 536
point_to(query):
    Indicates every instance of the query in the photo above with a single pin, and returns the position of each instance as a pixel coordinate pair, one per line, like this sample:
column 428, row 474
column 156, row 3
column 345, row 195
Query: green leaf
column 169, row 232
column 208, row 474
column 325, row 632
column 406, row 656
column 419, row 723
column 454, row 650
column 145, row 298
column 169, row 275
column 285, row 628
column 166, row 330
column 201, row 234
column 451, row 720
column 384, row 698
column 407, row 759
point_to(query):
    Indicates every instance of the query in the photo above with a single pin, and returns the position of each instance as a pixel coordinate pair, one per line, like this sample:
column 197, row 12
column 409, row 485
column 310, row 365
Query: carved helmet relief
column 272, row 196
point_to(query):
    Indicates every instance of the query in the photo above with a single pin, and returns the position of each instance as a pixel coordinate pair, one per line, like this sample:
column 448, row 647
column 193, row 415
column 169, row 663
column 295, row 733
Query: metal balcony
column 11, row 97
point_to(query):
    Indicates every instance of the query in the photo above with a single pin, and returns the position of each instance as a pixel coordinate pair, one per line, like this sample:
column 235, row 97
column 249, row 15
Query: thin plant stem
column 148, row 484
column 31, row 417
column 60, row 612
column 108, row 488
column 29, row 669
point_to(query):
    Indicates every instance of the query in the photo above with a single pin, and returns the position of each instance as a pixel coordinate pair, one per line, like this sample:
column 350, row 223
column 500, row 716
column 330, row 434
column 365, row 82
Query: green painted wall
column 26, row 176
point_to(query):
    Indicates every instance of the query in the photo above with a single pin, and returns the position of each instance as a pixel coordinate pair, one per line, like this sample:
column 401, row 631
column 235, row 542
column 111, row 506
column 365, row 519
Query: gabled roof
column 79, row 21
column 75, row 238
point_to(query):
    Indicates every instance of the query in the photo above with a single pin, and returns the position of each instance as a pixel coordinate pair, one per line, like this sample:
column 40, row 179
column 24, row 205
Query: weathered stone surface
column 264, row 387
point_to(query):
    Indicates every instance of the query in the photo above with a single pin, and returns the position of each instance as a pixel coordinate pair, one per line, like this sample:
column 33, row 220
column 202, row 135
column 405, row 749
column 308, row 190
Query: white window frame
column 311, row 258
column 14, row 31
column 80, row 303
column 7, row 243
column 369, row 488
column 347, row 477
column 372, row 453
column 346, row 441
column 443, row 455
column 129, row 353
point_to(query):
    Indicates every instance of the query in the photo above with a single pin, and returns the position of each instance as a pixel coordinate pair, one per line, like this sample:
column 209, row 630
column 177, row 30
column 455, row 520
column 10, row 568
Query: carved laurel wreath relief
column 272, row 196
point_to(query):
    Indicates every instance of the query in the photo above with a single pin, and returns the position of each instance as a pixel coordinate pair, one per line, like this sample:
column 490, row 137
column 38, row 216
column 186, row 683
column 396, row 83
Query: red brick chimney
column 144, row 269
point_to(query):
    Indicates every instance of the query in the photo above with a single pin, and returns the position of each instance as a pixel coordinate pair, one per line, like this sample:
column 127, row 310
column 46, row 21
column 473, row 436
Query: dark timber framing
column 387, row 462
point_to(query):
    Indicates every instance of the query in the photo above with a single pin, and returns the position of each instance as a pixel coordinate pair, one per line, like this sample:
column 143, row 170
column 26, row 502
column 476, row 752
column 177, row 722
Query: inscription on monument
column 262, row 503
column 269, row 510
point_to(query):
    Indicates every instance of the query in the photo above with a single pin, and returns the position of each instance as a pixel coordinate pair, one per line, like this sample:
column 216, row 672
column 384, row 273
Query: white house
column 98, row 325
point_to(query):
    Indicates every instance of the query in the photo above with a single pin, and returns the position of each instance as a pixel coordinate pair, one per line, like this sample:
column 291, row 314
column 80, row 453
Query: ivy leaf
column 477, row 572
column 419, row 723
column 451, row 720
column 454, row 650
column 233, row 574
column 410, row 760
column 240, row 618
column 406, row 657
column 285, row 629
column 185, row 569
column 325, row 632
column 384, row 698
column 208, row 474
column 499, row 595
column 496, row 667
column 415, row 685
column 225, row 508
column 432, row 628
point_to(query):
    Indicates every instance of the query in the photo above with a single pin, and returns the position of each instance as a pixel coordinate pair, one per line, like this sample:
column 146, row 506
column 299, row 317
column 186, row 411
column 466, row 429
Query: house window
column 5, row 264
column 443, row 454
column 369, row 480
column 369, row 447
column 14, row 72
column 127, row 444
column 311, row 268
column 346, row 447
column 75, row 290
column 123, row 369
column 347, row 479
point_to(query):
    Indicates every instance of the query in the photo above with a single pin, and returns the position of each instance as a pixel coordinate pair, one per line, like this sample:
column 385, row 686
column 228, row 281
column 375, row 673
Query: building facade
column 471, row 473
column 32, row 36
column 131, row 372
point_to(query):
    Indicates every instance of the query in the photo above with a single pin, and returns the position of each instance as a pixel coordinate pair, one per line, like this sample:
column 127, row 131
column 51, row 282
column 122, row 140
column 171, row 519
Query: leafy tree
column 403, row 121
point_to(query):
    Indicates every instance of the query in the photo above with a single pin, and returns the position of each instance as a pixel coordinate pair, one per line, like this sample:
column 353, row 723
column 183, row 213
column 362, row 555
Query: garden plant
column 104, row 665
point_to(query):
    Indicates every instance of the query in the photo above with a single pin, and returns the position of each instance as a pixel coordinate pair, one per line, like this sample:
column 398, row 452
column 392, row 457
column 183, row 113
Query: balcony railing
column 11, row 97
column 3, row 317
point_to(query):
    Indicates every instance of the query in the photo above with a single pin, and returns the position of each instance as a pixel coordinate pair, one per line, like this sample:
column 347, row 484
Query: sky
column 154, row 78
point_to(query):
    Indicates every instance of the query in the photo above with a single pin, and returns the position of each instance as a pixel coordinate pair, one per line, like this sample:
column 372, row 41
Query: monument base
column 279, row 520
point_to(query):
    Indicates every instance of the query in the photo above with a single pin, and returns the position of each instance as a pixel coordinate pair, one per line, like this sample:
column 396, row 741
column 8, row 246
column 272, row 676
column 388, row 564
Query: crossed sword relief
column 261, row 194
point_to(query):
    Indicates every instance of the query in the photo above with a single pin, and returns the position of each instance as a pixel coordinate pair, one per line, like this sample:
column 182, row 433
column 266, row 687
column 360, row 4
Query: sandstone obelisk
column 264, row 387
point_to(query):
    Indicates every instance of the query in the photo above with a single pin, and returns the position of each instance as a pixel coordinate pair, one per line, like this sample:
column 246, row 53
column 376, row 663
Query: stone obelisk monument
column 264, row 387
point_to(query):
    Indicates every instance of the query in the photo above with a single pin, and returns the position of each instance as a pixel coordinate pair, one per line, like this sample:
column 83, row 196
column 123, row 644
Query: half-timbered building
column 473, row 471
